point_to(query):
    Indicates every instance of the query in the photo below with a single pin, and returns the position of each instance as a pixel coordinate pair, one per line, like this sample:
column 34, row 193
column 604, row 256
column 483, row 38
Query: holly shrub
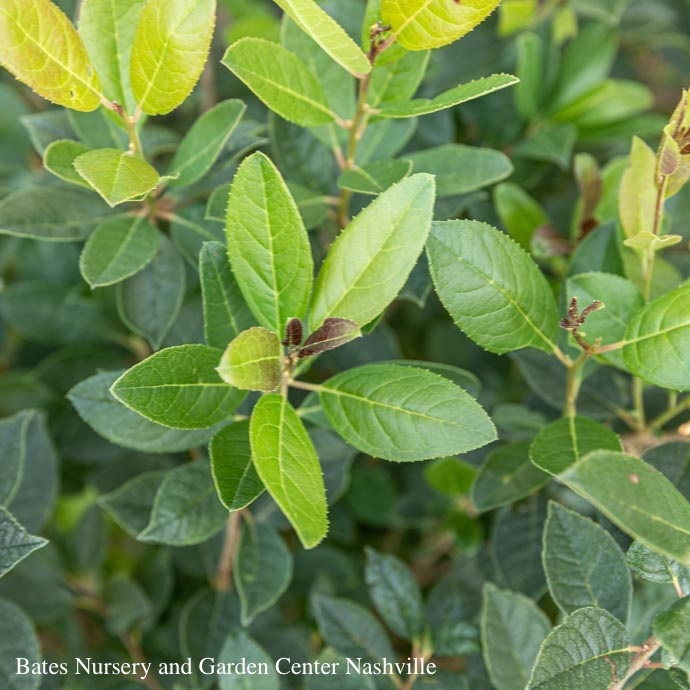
column 345, row 344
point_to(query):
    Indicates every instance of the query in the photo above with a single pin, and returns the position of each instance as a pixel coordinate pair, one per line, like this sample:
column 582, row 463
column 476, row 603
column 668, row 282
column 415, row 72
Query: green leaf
column 520, row 214
column 226, row 314
column 563, row 442
column 262, row 567
column 240, row 646
column 268, row 244
column 170, row 48
column 280, row 79
column 204, row 142
column 28, row 472
column 252, row 361
column 286, row 461
column 59, row 157
column 118, row 176
column 582, row 652
column 506, row 476
column 41, row 47
column 654, row 567
column 637, row 196
column 131, row 503
column 513, row 628
column 671, row 629
column 119, row 248
column 419, row 25
column 491, row 287
column 448, row 99
column 186, row 509
column 404, row 414
column 584, row 565
column 323, row 29
column 150, row 301
column 395, row 594
column 621, row 300
column 637, row 498
column 107, row 29
column 374, row 178
column 369, row 263
column 51, row 214
column 18, row 639
column 111, row 419
column 179, row 387
column 351, row 630
column 397, row 81
column 234, row 473
column 461, row 169
column 657, row 339
column 673, row 460
column 340, row 679
column 15, row 542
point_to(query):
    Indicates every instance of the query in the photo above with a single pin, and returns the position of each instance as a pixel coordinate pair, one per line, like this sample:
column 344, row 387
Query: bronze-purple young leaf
column 332, row 333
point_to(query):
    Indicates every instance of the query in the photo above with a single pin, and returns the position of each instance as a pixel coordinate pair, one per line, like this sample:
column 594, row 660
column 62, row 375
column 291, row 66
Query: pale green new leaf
column 186, row 510
column 15, row 542
column 41, row 47
column 18, row 639
column 51, row 214
column 404, row 414
column 582, row 652
column 491, row 287
column 268, row 244
column 657, row 341
column 280, row 79
column 107, row 29
column 179, row 387
column 118, row 176
column 59, row 159
column 119, row 248
column 563, row 442
column 234, row 473
column 424, row 24
column 584, row 565
column 226, row 313
column 262, row 569
column 513, row 628
column 397, row 81
column 637, row 196
column 448, row 99
column 323, row 29
column 251, row 361
column 204, row 142
column 637, row 498
column 170, row 48
column 370, row 262
column 286, row 462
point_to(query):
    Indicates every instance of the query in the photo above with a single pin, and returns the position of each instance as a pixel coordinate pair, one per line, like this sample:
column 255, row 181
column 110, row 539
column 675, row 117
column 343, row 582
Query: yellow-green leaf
column 107, row 29
column 252, row 361
column 118, row 176
column 323, row 29
column 637, row 197
column 169, row 52
column 286, row 461
column 41, row 48
column 424, row 24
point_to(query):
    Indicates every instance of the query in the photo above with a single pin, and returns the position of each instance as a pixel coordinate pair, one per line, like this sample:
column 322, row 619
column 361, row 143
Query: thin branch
column 638, row 662
column 223, row 581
